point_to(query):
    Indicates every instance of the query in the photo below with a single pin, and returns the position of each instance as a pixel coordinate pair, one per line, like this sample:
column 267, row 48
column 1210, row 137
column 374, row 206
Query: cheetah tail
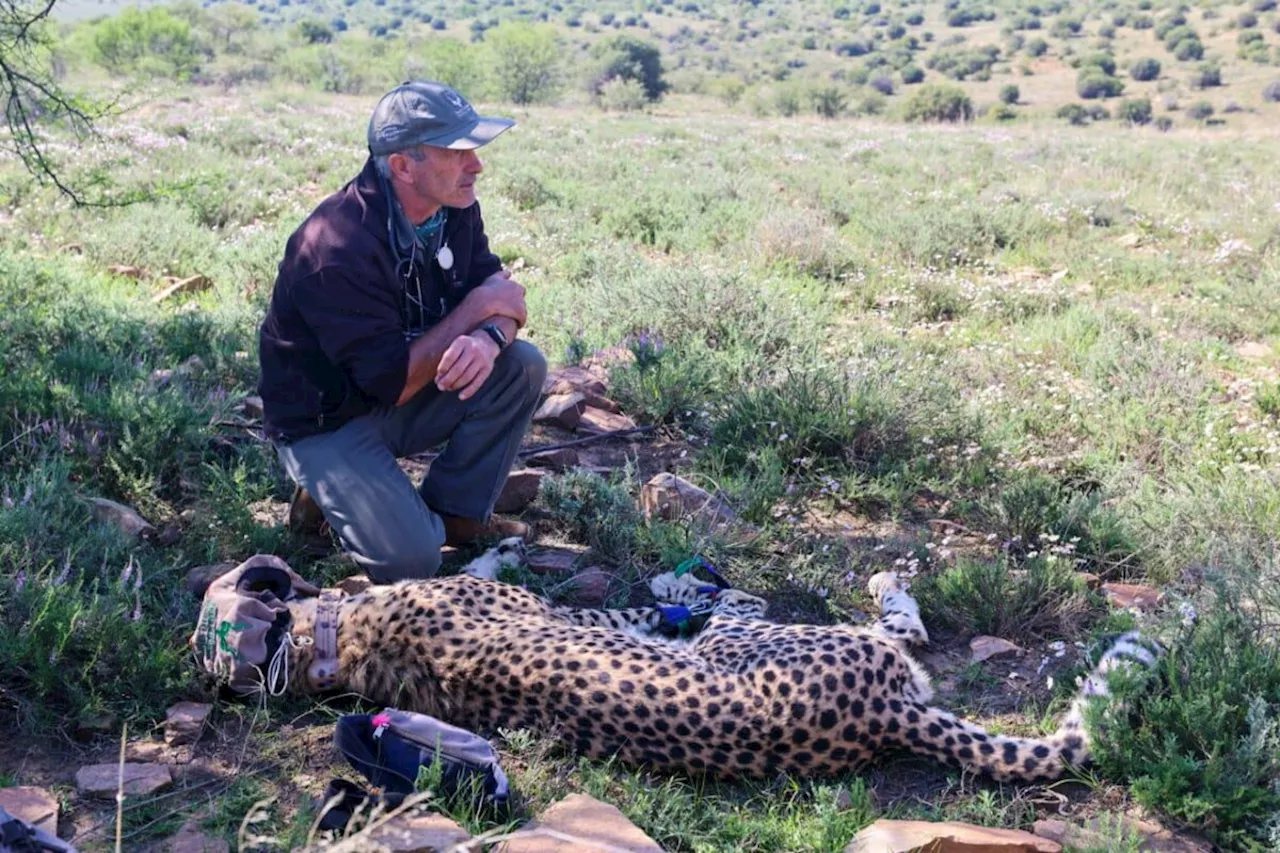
column 953, row 741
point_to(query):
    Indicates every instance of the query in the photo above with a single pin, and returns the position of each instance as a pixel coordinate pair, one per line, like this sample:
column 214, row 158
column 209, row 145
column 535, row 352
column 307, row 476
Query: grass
column 934, row 351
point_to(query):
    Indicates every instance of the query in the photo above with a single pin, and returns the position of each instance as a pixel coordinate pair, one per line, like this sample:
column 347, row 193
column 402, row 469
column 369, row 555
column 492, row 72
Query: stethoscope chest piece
column 444, row 258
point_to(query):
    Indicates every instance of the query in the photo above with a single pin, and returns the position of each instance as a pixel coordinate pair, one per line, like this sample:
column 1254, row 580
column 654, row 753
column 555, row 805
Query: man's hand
column 503, row 296
column 467, row 363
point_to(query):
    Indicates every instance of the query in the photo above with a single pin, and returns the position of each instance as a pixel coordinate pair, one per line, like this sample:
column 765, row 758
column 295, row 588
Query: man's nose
column 474, row 164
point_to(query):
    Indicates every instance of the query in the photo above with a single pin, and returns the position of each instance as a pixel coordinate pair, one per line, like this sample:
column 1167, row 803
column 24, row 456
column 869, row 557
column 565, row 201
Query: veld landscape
column 985, row 293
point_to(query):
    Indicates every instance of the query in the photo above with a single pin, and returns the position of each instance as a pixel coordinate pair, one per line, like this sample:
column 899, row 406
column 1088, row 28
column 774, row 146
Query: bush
column 1037, row 47
column 1073, row 114
column 1009, row 94
column 1263, row 5
column 153, row 42
column 1135, row 111
column 628, row 58
column 912, row 74
column 1272, row 92
column 525, row 61
column 1200, row 111
column 1189, row 49
column 1092, row 83
column 1002, row 112
column 1206, row 77
column 1145, row 69
column 1247, row 20
column 882, row 84
column 619, row 95
column 915, row 19
column 1164, row 124
column 828, row 101
column 938, row 103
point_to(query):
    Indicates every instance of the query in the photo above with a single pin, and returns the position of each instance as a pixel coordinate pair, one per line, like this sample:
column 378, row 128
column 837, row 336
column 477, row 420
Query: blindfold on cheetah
column 743, row 698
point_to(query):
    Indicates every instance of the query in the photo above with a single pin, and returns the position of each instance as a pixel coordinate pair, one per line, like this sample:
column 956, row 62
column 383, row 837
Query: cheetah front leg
column 899, row 621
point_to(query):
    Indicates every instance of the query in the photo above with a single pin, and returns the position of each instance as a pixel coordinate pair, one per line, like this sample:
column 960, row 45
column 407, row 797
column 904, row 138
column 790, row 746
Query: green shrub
column 1073, row 114
column 624, row 57
column 934, row 102
column 828, row 101
column 912, row 74
column 525, row 62
column 1093, row 83
column 1135, row 111
column 588, row 508
column 1206, row 76
column 1009, row 94
column 1200, row 111
column 1002, row 112
column 1271, row 92
column 150, row 42
column 1145, row 69
column 1189, row 49
column 1037, row 47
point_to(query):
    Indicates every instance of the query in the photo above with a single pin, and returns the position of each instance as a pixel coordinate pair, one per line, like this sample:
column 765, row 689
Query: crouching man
column 391, row 330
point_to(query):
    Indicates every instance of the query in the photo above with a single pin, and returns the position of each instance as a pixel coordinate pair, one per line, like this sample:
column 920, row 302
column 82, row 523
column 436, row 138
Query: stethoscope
column 408, row 272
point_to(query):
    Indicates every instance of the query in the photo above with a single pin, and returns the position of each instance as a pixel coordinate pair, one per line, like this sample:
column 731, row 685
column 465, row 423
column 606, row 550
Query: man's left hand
column 466, row 364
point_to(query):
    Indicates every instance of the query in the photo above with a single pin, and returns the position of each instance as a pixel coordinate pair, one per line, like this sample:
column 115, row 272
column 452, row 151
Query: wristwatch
column 492, row 330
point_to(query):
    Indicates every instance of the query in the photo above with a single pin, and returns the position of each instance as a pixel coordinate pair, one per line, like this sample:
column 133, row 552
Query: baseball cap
column 422, row 112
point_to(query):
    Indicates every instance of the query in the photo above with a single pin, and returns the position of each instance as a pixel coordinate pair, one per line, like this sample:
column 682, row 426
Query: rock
column 125, row 270
column 671, row 497
column 593, row 823
column 355, row 584
column 914, row 836
column 251, row 407
column 1106, row 832
column 1090, row 579
column 192, row 367
column 432, row 833
column 603, row 403
column 191, row 840
column 121, row 516
column 178, row 286
column 1132, row 595
column 93, row 724
column 986, row 648
column 1253, row 350
column 36, row 806
column 184, row 722
column 139, row 779
column 198, row 579
column 603, row 359
column 555, row 460
column 588, row 588
column 564, row 410
column 552, row 560
column 598, row 420
column 1130, row 240
column 520, row 490
column 570, row 380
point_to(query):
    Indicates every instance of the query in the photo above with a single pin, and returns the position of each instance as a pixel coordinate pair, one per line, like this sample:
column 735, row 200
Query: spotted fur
column 745, row 697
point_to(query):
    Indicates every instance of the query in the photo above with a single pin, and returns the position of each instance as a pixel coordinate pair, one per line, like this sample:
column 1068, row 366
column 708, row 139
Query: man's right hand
column 502, row 296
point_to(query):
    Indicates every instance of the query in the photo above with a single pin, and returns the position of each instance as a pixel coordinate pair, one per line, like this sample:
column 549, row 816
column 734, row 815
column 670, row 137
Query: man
column 392, row 329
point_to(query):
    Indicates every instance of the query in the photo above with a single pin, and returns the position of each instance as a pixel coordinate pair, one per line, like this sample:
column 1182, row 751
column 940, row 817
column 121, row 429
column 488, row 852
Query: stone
column 588, row 588
column 604, row 403
column 251, row 407
column 92, row 724
column 180, row 286
column 1130, row 241
column 191, row 840
column 591, row 824
column 1253, row 350
column 670, row 497
column 35, row 806
column 599, row 421
column 126, row 518
column 198, row 579
column 125, row 271
column 139, row 779
column 554, row 460
column 1132, row 595
column 569, row 380
column 563, row 410
column 1090, row 579
column 987, row 648
column 520, row 490
column 184, row 722
column 1107, row 831
column 603, row 359
column 551, row 560
column 432, row 833
column 914, row 836
column 355, row 584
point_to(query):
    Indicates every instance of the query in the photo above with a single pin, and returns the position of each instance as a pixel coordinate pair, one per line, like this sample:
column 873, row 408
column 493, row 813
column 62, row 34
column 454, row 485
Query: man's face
column 439, row 177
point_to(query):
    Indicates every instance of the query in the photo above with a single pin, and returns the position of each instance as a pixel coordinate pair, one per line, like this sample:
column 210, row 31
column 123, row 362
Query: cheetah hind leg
column 507, row 554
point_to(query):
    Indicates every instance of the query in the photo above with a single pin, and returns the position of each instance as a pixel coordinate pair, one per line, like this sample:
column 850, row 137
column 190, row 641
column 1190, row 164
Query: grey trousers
column 392, row 530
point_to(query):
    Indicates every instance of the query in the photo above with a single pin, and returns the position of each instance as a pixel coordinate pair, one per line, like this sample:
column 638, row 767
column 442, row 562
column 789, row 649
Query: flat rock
column 139, row 779
column 563, row 410
column 587, row 588
column 591, row 823
column 125, row 270
column 596, row 420
column 1254, row 350
column 198, row 579
column 180, row 286
column 987, row 648
column 669, row 496
column 913, row 836
column 554, row 460
column 355, row 584
column 184, row 722
column 552, row 560
column 251, row 407
column 1090, row 579
column 574, row 379
column 126, row 518
column 191, row 840
column 431, row 833
column 1106, row 831
column 1132, row 595
column 520, row 490
column 36, row 806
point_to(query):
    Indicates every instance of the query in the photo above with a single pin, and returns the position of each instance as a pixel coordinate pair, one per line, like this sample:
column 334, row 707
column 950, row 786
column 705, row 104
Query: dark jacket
column 334, row 344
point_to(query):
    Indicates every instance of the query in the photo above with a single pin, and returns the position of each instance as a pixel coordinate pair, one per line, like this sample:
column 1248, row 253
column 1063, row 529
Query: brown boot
column 463, row 531
column 305, row 516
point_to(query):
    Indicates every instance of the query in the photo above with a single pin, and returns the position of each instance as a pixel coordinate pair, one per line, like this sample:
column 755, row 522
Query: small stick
column 613, row 433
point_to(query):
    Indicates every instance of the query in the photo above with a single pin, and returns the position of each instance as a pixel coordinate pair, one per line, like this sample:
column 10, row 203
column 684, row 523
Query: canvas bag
column 241, row 635
column 389, row 747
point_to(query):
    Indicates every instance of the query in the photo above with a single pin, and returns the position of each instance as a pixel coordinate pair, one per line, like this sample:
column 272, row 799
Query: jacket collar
column 387, row 215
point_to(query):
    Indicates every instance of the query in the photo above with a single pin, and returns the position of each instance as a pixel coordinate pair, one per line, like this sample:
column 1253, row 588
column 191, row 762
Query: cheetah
column 743, row 697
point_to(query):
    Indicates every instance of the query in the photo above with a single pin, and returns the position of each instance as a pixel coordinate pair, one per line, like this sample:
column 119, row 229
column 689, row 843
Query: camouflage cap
column 243, row 620
column 423, row 112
